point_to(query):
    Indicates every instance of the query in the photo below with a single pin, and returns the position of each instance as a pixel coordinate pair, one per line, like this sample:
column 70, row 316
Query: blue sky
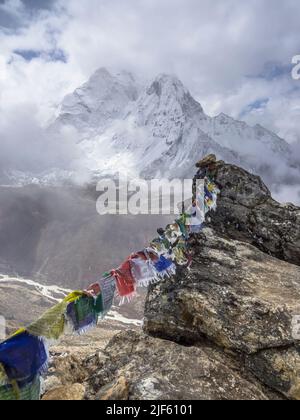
column 47, row 55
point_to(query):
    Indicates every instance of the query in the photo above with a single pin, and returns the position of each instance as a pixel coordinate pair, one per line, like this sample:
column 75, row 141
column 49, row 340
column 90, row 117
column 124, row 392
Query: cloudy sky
column 234, row 56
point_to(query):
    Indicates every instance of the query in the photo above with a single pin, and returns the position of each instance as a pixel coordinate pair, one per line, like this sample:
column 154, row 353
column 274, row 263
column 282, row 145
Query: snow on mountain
column 157, row 129
column 257, row 145
column 159, row 134
column 55, row 177
column 33, row 298
column 53, row 293
column 99, row 102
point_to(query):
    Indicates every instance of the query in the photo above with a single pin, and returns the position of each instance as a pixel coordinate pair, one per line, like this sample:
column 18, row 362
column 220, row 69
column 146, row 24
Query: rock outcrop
column 74, row 392
column 159, row 369
column 243, row 289
column 224, row 328
column 247, row 212
column 235, row 295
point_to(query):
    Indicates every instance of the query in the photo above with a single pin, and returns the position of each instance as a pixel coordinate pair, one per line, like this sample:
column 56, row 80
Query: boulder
column 237, row 296
column 154, row 369
column 115, row 391
column 243, row 290
column 73, row 392
column 247, row 212
column 279, row 369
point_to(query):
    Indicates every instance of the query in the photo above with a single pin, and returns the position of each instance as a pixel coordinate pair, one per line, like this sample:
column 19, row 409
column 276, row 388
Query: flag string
column 24, row 356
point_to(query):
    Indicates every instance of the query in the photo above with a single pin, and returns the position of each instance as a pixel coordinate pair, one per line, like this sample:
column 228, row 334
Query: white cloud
column 287, row 194
column 211, row 46
column 25, row 146
column 219, row 49
column 15, row 8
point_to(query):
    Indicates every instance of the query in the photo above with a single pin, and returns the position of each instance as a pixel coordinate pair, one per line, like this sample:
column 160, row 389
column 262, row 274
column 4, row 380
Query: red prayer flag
column 124, row 279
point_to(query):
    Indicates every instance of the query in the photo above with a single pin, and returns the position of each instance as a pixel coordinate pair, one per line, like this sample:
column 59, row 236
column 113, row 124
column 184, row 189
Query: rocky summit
column 225, row 329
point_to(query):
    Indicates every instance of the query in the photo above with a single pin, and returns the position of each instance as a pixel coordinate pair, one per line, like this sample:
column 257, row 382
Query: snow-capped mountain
column 98, row 103
column 158, row 129
column 155, row 129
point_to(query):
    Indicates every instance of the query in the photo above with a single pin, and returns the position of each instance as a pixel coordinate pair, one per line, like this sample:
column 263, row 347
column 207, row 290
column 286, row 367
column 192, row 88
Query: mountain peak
column 224, row 117
column 111, row 76
column 158, row 128
column 170, row 90
column 168, row 82
column 100, row 72
column 100, row 100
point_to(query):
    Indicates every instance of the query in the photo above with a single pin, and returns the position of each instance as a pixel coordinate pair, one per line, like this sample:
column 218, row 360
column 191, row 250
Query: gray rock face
column 279, row 369
column 234, row 294
column 243, row 289
column 247, row 212
column 162, row 370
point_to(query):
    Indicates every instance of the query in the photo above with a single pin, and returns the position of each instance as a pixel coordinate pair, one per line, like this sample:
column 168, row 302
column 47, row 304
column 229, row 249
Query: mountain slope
column 99, row 101
column 155, row 129
column 159, row 129
column 22, row 301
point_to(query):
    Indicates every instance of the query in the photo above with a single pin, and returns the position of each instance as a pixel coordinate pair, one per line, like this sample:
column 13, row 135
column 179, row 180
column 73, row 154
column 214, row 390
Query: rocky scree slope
column 222, row 330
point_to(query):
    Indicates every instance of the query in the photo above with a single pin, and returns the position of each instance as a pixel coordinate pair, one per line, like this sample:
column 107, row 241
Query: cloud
column 221, row 50
column 26, row 146
column 37, row 5
column 234, row 56
column 257, row 105
column 18, row 13
column 52, row 55
column 287, row 194
column 296, row 152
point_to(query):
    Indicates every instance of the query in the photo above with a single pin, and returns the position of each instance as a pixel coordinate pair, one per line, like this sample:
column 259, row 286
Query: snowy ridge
column 54, row 293
column 53, row 177
column 93, row 106
column 157, row 129
column 114, row 315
